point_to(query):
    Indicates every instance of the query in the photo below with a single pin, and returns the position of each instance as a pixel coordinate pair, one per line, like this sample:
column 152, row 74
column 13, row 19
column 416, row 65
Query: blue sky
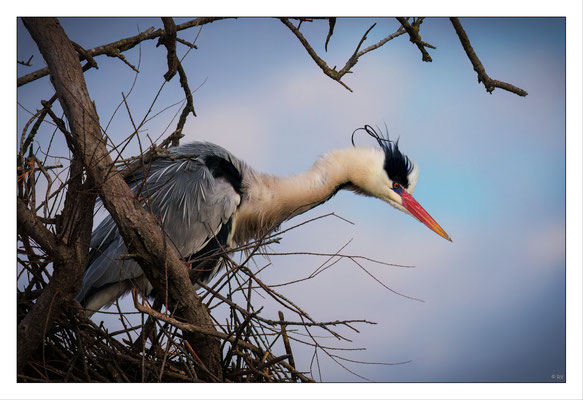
column 492, row 173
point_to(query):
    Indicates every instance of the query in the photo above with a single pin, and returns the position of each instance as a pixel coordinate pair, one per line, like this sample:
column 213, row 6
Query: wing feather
column 192, row 203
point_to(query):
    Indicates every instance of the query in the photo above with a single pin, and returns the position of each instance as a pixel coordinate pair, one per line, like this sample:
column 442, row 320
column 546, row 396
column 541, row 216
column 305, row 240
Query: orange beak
column 419, row 212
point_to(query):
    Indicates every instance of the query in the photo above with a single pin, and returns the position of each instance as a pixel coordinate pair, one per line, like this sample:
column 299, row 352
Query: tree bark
column 139, row 229
column 68, row 267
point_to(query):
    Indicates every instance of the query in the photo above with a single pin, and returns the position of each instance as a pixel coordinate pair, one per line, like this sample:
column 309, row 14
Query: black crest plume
column 397, row 165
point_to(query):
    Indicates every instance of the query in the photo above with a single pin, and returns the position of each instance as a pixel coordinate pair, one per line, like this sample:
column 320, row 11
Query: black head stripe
column 220, row 167
column 397, row 165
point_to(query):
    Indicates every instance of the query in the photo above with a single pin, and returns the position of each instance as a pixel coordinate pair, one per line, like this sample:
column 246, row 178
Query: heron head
column 395, row 183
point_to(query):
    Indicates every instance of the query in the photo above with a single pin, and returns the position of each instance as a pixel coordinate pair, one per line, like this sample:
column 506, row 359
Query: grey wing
column 192, row 205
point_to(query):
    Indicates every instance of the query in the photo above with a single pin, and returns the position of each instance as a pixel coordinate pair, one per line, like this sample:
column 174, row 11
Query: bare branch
column 414, row 37
column 27, row 62
column 169, row 41
column 29, row 223
column 91, row 63
column 186, row 43
column 351, row 62
column 489, row 83
column 331, row 22
column 375, row 46
column 321, row 63
column 115, row 49
column 189, row 108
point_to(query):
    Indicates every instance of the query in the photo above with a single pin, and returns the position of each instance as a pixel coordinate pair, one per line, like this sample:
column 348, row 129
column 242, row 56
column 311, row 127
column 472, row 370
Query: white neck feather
column 270, row 200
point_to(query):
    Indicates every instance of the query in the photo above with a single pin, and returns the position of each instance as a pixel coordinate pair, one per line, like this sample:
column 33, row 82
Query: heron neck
column 270, row 200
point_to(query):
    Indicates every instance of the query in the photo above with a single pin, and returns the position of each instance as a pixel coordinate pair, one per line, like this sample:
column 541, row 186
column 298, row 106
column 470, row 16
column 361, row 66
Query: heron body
column 209, row 201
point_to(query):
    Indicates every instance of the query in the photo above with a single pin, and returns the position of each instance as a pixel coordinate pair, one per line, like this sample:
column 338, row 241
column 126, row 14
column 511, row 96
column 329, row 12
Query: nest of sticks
column 145, row 341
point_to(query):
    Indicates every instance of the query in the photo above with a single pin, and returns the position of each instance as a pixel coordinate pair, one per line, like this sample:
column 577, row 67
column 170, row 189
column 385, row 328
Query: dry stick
column 275, row 323
column 309, row 253
column 199, row 362
column 169, row 41
column 41, row 116
column 489, row 83
column 91, row 63
column 173, row 105
column 189, row 108
column 286, row 343
column 321, row 63
column 256, row 332
column 370, row 362
column 351, row 62
column 385, row 286
column 195, row 328
column 330, row 356
column 283, row 300
column 321, row 268
column 186, row 43
column 331, row 24
column 129, row 92
column 354, row 57
column 166, row 351
column 252, row 369
column 177, row 134
column 27, row 62
column 414, row 37
column 238, row 332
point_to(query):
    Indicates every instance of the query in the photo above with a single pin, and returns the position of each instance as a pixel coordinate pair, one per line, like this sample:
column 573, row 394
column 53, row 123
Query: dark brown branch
column 186, row 43
column 30, row 224
column 27, row 62
column 91, row 63
column 46, row 106
column 354, row 58
column 321, row 63
column 189, row 108
column 169, row 41
column 375, row 46
column 415, row 38
column 331, row 23
column 68, row 265
column 286, row 342
column 489, row 83
column 115, row 49
column 351, row 62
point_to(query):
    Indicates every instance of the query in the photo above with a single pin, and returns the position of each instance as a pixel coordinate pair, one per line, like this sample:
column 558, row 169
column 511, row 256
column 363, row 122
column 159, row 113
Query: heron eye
column 396, row 185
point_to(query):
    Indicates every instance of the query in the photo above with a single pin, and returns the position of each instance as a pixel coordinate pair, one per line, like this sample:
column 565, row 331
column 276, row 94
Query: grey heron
column 207, row 199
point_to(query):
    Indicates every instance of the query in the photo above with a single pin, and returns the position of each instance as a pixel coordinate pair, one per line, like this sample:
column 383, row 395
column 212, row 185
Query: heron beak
column 419, row 212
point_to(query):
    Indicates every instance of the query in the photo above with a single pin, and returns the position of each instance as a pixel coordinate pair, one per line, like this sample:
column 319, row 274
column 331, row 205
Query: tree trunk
column 139, row 229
